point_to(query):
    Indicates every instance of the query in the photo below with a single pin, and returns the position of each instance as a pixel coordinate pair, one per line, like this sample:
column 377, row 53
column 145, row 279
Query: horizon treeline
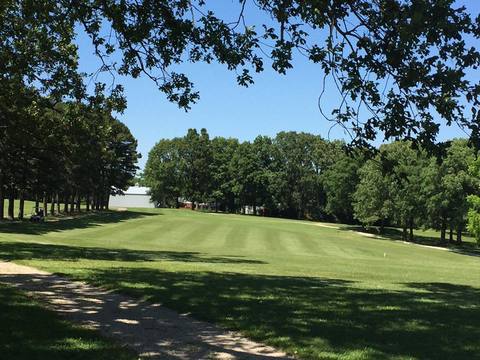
column 303, row 176
column 62, row 155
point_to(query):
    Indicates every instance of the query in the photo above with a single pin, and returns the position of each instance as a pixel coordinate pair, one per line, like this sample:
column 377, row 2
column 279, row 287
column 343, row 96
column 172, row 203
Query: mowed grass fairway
column 316, row 292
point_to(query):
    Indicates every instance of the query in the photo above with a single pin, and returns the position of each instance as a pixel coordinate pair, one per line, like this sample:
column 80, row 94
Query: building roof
column 137, row 190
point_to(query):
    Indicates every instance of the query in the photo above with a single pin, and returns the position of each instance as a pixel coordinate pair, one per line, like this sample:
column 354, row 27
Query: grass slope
column 28, row 331
column 317, row 292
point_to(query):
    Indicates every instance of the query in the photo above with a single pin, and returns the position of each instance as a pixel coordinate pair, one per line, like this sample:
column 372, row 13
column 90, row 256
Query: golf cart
column 38, row 215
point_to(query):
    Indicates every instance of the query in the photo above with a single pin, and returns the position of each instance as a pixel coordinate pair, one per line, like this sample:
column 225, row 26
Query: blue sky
column 274, row 103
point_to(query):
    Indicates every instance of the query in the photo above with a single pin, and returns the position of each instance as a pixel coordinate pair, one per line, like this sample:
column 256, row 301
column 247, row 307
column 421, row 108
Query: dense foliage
column 300, row 175
column 411, row 189
column 473, row 224
column 401, row 67
column 65, row 153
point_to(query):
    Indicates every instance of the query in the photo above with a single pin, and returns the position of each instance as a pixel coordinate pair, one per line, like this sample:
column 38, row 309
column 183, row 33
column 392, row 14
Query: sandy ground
column 151, row 330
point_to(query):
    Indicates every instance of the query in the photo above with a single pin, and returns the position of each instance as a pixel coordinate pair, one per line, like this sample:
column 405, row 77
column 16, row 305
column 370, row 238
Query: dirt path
column 150, row 329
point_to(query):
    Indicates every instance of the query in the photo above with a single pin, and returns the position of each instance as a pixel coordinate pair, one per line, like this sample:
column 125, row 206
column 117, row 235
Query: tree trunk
column 410, row 236
column 52, row 206
column 78, row 202
column 443, row 231
column 66, row 201
column 57, row 198
column 11, row 204
column 21, row 207
column 107, row 200
column 2, row 200
column 382, row 226
column 72, row 202
column 45, row 205
column 21, row 192
column 97, row 202
column 459, row 234
column 101, row 203
column 450, row 235
column 87, row 202
column 404, row 232
column 37, row 203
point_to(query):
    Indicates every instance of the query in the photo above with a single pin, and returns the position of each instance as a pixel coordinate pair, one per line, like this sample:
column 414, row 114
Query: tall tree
column 197, row 157
column 447, row 185
column 297, row 180
column 371, row 202
column 222, row 172
column 163, row 172
column 402, row 167
column 339, row 181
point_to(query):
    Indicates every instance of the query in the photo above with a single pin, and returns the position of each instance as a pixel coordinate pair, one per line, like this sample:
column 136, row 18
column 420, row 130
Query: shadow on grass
column 79, row 221
column 28, row 251
column 312, row 317
column 319, row 318
column 28, row 331
column 466, row 248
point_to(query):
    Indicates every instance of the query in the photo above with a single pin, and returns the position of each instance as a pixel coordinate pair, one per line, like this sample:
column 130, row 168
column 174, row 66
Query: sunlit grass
column 316, row 292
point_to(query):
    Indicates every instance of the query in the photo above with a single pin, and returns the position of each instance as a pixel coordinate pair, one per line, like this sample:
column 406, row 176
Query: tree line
column 61, row 154
column 303, row 176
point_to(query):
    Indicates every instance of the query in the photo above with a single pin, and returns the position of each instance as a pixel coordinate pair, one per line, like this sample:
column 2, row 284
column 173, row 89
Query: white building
column 134, row 197
column 248, row 210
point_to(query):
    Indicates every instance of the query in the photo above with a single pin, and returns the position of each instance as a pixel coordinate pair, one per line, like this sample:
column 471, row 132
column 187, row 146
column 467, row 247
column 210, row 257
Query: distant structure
column 134, row 197
column 248, row 210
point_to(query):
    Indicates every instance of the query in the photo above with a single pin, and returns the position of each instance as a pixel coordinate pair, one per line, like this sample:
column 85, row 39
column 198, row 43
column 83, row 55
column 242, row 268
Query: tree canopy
column 401, row 66
column 65, row 154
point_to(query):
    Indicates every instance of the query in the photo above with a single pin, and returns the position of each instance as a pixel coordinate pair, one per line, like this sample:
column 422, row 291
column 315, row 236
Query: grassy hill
column 314, row 290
